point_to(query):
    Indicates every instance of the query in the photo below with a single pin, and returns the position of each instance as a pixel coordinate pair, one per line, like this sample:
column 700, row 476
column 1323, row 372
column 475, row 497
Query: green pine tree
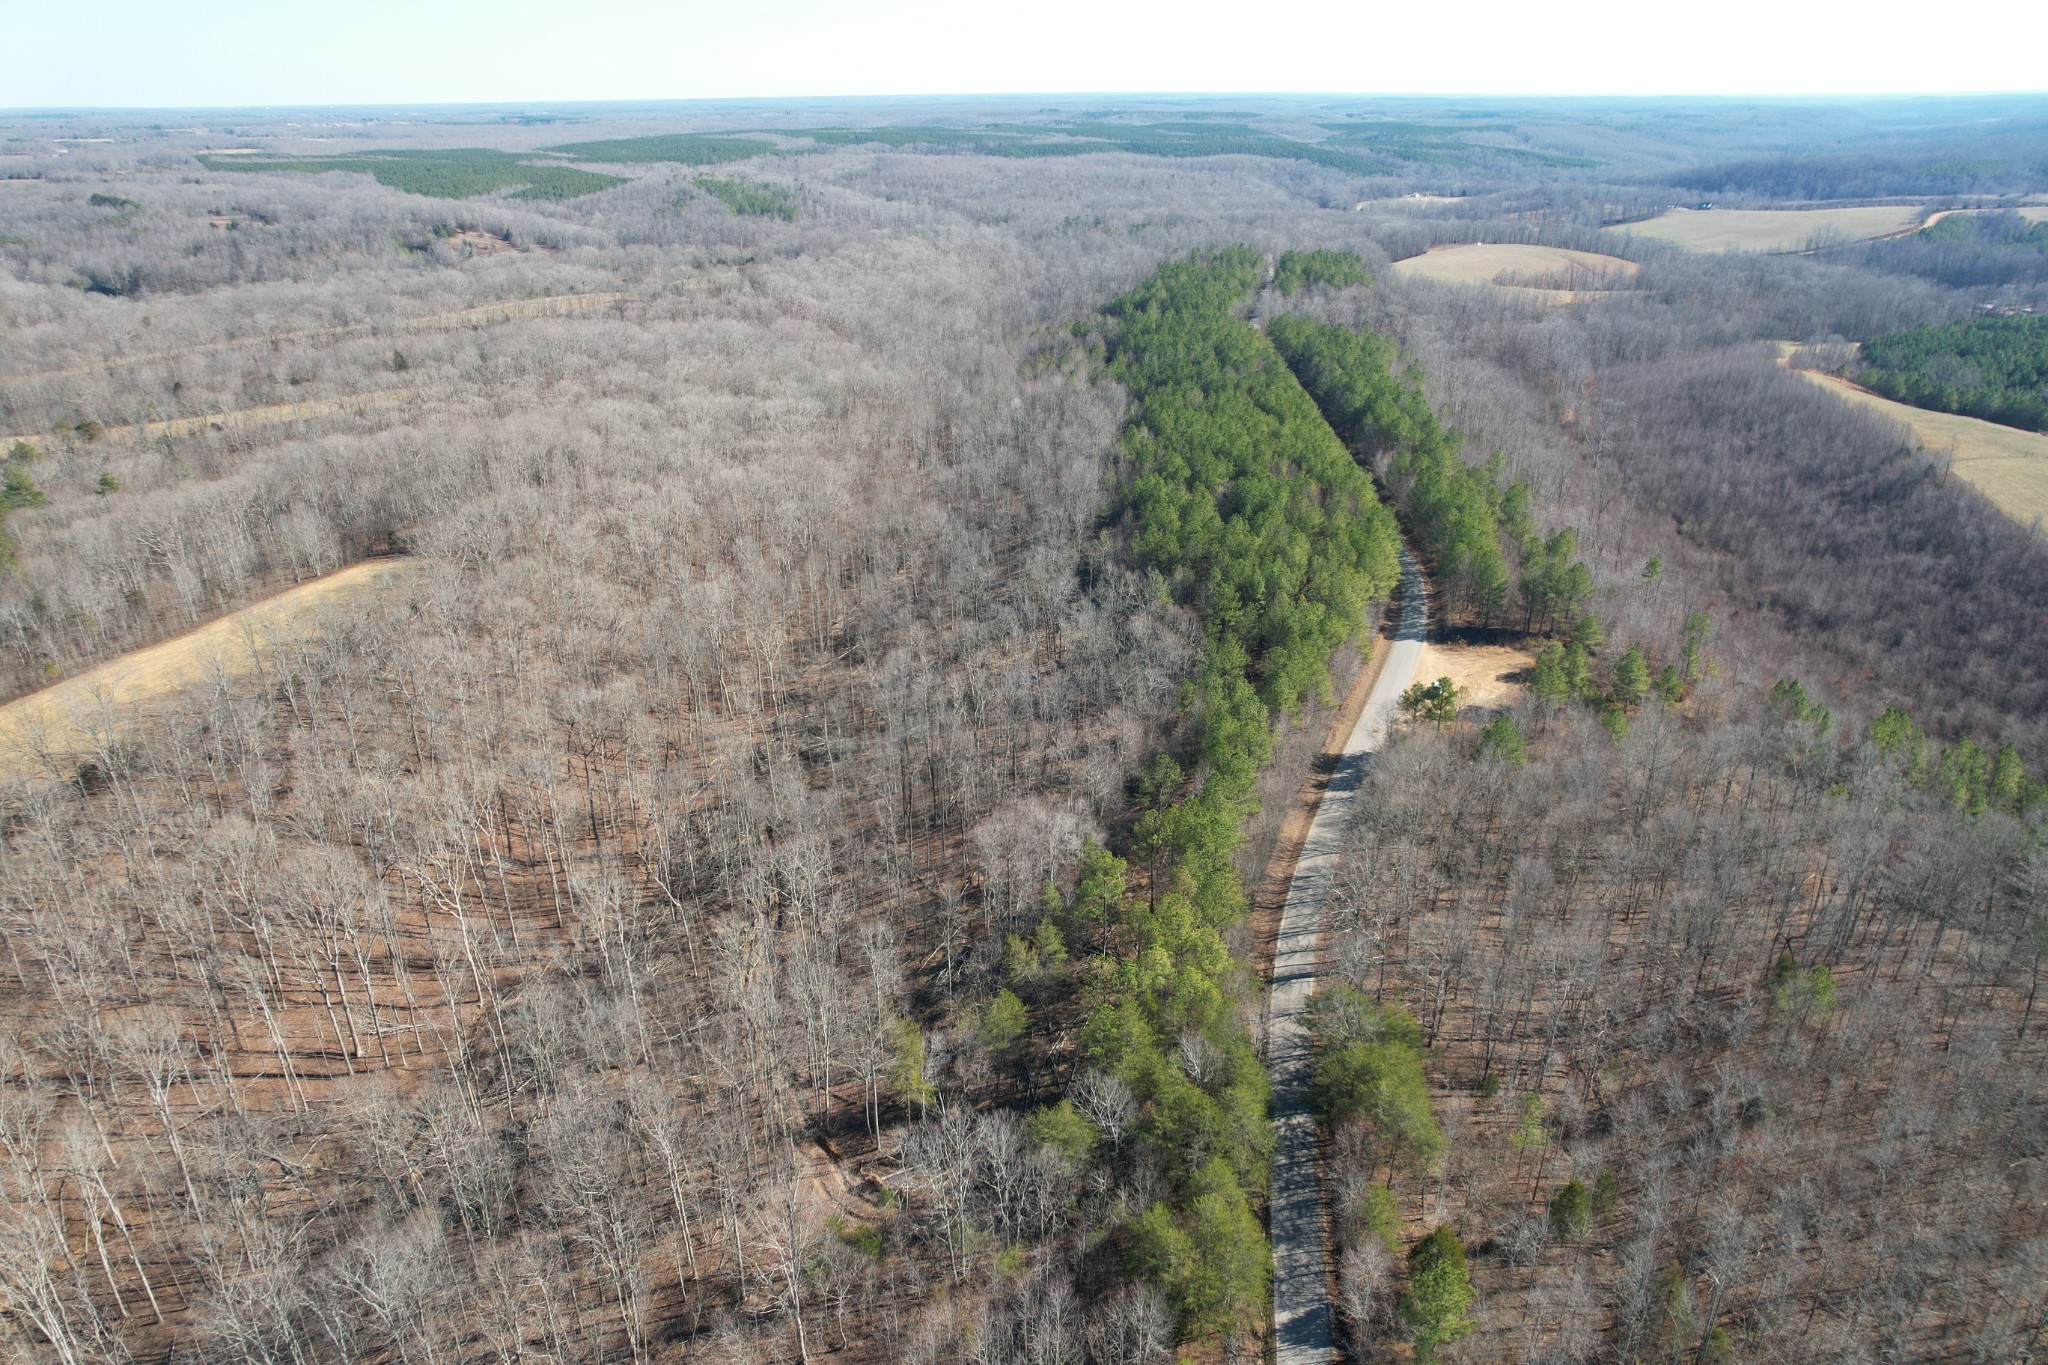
column 1631, row 677
column 1438, row 1303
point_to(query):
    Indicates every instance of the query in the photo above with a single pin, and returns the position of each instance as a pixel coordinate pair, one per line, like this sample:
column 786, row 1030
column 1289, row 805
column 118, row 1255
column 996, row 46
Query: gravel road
column 1302, row 1322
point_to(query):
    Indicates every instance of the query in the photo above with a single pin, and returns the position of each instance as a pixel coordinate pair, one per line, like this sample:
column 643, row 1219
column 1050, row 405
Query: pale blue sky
column 165, row 53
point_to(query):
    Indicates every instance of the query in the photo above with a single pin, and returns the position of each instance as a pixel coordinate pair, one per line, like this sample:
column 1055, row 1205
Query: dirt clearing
column 1491, row 676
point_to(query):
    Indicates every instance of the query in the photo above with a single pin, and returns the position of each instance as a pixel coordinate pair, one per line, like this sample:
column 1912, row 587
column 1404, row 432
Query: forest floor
column 50, row 730
column 483, row 315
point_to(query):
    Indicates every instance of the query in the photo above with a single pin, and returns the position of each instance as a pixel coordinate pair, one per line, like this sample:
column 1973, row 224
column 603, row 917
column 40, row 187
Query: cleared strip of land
column 250, row 419
column 1777, row 230
column 48, row 733
column 483, row 315
column 2005, row 464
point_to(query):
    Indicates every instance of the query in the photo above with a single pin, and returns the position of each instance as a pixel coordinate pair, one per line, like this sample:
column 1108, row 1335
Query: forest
column 784, row 865
column 458, row 173
column 1994, row 368
column 1995, row 247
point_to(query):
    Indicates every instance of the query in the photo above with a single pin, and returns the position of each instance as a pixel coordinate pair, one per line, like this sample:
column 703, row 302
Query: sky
column 213, row 53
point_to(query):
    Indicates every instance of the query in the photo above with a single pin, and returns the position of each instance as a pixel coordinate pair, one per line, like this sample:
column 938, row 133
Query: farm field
column 1775, row 230
column 2005, row 464
column 46, row 733
column 1544, row 273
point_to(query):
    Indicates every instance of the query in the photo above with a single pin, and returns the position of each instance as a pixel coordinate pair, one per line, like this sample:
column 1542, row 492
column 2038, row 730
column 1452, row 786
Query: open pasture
column 1777, row 230
column 2005, row 464
column 1543, row 273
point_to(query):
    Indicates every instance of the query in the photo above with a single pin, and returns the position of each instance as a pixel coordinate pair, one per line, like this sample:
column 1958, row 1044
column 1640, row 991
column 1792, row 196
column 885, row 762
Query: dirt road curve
column 1302, row 1323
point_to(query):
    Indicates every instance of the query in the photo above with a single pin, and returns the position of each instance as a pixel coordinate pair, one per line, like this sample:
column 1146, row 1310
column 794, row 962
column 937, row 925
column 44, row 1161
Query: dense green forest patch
column 1993, row 368
column 1460, row 511
column 1297, row 270
column 750, row 198
column 688, row 149
column 1249, row 509
column 453, row 173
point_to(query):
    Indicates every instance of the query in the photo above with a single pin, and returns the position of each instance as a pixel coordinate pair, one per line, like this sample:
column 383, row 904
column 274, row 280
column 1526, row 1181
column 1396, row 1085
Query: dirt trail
column 248, row 419
column 1303, row 1327
column 48, row 733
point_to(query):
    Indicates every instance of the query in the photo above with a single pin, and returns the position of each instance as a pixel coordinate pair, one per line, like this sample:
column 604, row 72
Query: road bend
column 1304, row 1330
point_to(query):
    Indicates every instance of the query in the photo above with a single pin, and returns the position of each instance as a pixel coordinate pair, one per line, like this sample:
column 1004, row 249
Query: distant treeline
column 1369, row 148
column 458, row 173
column 1993, row 368
column 1868, row 175
column 451, row 173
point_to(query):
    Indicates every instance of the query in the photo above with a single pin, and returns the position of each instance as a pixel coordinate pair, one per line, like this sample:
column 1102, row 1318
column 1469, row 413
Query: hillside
column 665, row 734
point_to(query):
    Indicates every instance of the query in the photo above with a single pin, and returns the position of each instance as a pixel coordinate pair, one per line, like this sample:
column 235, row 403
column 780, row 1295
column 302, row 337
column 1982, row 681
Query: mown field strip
column 483, row 315
column 48, row 733
column 250, row 419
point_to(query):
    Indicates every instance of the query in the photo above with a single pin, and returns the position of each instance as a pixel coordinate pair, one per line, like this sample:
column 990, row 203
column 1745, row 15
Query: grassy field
column 1546, row 273
column 1775, row 229
column 49, row 733
column 2005, row 464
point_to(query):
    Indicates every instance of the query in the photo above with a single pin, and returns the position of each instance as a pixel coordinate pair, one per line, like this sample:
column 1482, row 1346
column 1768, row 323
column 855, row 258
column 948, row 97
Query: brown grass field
column 2005, row 464
column 1776, row 230
column 1545, row 274
column 48, row 733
